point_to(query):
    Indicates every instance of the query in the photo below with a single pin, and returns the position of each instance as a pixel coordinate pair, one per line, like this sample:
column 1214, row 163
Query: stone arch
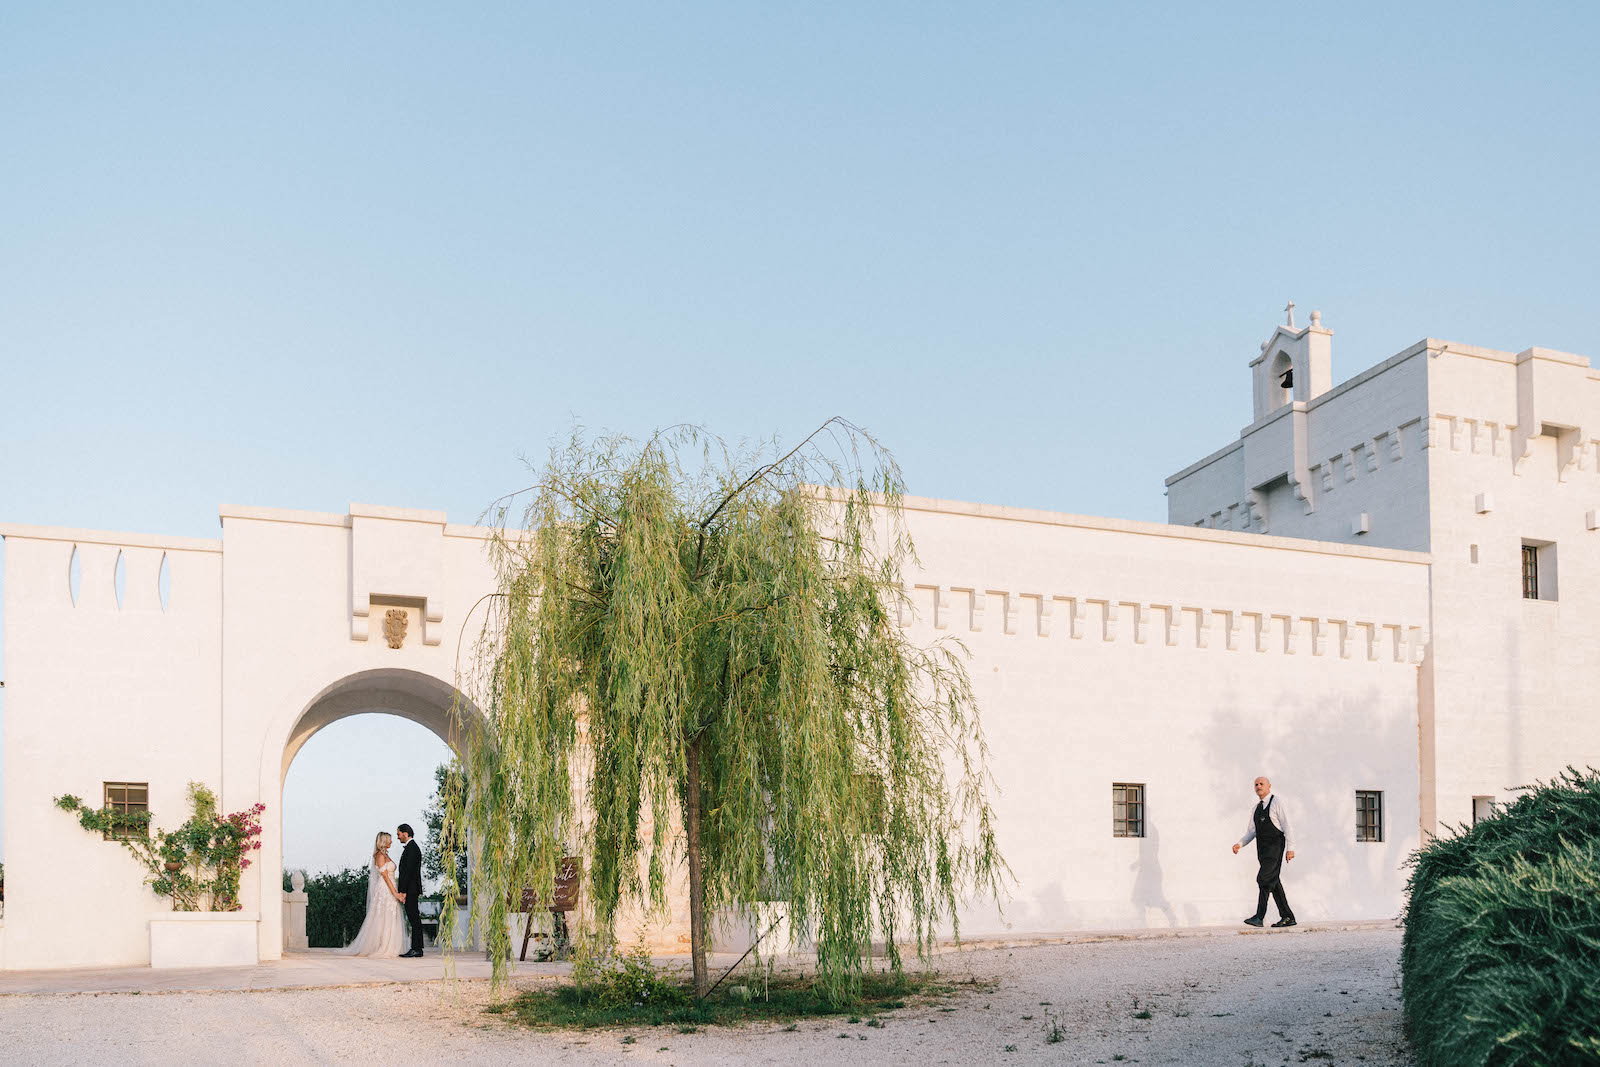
column 422, row 698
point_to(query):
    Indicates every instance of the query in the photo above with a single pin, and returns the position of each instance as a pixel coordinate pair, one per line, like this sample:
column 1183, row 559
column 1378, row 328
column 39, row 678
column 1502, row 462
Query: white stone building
column 1338, row 601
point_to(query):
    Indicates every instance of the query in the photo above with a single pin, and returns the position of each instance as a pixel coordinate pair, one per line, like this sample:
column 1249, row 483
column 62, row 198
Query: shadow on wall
column 1317, row 754
column 1148, row 893
column 1319, row 746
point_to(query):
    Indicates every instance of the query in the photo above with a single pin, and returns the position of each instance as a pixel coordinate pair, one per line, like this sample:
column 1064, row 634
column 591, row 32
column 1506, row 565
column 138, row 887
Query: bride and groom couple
column 391, row 898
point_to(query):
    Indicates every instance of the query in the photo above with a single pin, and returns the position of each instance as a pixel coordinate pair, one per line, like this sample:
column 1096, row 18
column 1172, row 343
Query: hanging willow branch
column 692, row 658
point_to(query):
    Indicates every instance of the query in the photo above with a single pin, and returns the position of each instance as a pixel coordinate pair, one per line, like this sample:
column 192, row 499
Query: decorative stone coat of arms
column 394, row 626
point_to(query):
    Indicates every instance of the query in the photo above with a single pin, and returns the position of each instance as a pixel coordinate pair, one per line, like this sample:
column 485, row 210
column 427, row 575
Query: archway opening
column 1282, row 384
column 365, row 756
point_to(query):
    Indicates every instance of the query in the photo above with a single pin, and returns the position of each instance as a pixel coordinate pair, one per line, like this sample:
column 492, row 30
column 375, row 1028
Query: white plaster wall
column 1365, row 455
column 99, row 693
column 1508, row 695
column 1514, row 697
column 1362, row 453
column 1071, row 706
column 289, row 626
column 1210, row 493
column 1085, row 636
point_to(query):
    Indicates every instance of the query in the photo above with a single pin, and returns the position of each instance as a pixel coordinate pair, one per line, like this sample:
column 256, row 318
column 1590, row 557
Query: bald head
column 1263, row 787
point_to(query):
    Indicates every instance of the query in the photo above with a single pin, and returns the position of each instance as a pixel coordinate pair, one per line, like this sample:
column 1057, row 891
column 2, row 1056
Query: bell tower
column 1295, row 364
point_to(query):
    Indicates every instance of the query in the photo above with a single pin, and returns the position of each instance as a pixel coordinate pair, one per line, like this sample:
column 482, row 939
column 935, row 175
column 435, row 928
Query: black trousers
column 1270, row 884
column 1276, row 892
column 414, row 917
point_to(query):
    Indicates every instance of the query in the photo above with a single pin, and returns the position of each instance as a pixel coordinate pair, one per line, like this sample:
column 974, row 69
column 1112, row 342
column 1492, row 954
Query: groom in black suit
column 410, row 887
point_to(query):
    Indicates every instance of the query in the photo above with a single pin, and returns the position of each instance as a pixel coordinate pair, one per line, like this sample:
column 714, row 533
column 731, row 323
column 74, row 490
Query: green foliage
column 621, row 981
column 685, row 634
column 336, row 905
column 1501, row 957
column 785, row 997
column 199, row 864
column 445, row 782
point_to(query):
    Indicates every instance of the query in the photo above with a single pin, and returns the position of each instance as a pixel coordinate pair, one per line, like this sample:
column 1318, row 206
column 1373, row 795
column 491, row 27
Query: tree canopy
column 693, row 655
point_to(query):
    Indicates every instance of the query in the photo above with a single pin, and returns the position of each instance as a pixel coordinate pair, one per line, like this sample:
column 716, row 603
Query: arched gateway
column 151, row 662
column 428, row 701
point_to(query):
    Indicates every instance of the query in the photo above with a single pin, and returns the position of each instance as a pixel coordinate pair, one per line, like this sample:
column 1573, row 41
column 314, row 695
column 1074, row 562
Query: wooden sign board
column 565, row 897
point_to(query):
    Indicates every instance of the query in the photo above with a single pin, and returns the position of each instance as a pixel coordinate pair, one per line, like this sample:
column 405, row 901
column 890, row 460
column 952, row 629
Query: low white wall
column 204, row 939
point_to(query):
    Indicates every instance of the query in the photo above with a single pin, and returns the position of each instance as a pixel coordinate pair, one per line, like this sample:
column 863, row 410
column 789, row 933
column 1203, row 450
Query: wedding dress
column 383, row 932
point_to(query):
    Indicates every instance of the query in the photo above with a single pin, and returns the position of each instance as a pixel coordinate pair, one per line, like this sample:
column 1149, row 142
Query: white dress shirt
column 1279, row 818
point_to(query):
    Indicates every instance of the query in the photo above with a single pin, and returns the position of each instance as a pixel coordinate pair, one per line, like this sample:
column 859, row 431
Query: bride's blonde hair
column 381, row 842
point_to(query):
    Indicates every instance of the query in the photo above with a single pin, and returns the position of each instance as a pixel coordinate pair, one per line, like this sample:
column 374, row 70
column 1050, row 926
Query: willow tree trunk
column 697, row 893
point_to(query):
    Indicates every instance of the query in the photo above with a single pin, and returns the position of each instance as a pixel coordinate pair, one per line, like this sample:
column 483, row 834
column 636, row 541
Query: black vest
column 1268, row 837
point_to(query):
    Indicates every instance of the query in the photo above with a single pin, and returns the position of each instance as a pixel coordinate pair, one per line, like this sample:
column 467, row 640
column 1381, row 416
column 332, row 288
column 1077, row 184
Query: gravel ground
column 1281, row 998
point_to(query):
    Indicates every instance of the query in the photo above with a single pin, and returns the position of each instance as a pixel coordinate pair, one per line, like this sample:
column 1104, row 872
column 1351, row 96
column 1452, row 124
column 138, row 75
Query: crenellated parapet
column 1577, row 451
column 1326, row 476
column 1105, row 617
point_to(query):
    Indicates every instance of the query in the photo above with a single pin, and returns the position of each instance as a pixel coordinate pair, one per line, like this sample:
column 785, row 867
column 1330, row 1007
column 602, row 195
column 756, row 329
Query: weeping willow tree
column 693, row 657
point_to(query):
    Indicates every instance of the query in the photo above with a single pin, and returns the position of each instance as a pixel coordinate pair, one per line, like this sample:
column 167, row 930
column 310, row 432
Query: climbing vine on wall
column 199, row 864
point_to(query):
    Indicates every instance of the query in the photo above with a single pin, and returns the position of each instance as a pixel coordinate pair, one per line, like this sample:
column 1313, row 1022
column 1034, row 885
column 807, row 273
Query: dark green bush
column 1501, row 957
column 336, row 904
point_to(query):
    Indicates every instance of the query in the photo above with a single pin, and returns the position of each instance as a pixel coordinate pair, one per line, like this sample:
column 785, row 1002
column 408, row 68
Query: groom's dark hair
column 406, row 829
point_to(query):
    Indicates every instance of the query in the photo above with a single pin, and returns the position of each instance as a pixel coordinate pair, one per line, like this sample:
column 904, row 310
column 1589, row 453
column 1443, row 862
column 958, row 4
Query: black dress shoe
column 412, row 955
column 1285, row 922
column 1253, row 921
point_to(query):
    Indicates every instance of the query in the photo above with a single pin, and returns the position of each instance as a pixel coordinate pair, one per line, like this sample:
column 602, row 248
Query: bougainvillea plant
column 199, row 864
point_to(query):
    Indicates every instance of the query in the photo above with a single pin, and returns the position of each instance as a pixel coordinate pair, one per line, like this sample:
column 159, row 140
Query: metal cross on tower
column 1289, row 310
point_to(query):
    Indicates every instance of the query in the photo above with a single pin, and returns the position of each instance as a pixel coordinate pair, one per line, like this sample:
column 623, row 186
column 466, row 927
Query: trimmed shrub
column 1501, row 956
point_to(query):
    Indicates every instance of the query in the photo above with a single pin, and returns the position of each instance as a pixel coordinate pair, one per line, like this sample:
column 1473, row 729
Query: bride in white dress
column 383, row 932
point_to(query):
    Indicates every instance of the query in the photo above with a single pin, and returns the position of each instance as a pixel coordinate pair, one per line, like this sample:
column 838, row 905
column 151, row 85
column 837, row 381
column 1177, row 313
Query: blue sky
column 299, row 255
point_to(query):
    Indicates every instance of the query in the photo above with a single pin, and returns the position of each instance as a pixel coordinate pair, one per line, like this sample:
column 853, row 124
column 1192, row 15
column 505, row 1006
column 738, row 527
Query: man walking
column 410, row 887
column 1269, row 828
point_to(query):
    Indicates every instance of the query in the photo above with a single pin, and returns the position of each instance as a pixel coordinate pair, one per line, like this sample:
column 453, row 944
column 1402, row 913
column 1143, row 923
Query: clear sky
column 299, row 255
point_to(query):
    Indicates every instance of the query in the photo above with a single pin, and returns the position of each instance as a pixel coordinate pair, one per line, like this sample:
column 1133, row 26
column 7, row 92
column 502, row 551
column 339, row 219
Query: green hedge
column 336, row 904
column 1501, row 957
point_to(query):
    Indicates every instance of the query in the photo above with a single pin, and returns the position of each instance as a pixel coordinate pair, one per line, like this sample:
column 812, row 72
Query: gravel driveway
column 1282, row 998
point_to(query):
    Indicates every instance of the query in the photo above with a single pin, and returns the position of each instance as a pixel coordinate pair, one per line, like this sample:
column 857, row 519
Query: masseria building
column 1382, row 593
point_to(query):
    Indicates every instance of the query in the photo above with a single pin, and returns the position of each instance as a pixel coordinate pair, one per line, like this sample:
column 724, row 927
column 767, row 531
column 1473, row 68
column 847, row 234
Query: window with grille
column 1369, row 815
column 1539, row 570
column 1127, row 810
column 124, row 798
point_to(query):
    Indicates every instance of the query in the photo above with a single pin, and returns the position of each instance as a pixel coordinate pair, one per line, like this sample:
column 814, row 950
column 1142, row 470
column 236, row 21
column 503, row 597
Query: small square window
column 1482, row 808
column 1369, row 815
column 1127, row 810
column 123, row 798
